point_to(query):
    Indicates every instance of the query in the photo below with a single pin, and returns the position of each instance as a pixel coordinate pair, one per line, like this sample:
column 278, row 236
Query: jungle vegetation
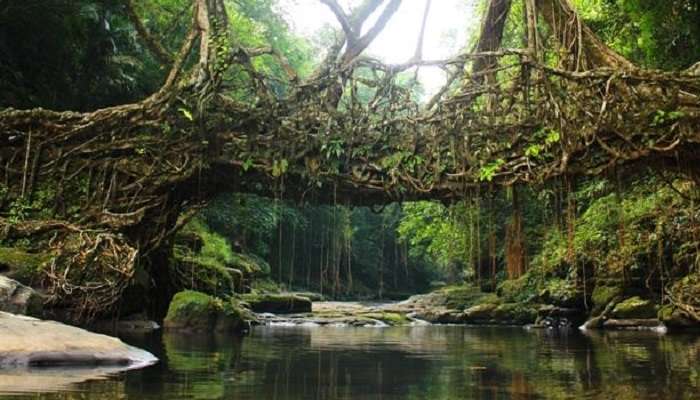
column 200, row 185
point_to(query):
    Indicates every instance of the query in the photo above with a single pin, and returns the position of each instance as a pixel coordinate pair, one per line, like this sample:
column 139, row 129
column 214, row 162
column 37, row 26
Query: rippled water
column 428, row 362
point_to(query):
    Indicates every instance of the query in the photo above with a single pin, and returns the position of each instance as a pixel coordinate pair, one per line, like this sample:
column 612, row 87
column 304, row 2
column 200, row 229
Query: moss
column 389, row 318
column 205, row 275
column 506, row 313
column 461, row 297
column 311, row 296
column 603, row 295
column 23, row 266
column 674, row 318
column 634, row 308
column 562, row 292
column 283, row 303
column 481, row 311
column 196, row 311
column 515, row 313
column 249, row 264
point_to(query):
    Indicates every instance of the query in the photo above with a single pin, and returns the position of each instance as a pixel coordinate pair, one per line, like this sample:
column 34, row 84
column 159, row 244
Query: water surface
column 425, row 362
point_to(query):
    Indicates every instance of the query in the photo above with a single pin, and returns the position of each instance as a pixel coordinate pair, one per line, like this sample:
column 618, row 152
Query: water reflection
column 433, row 362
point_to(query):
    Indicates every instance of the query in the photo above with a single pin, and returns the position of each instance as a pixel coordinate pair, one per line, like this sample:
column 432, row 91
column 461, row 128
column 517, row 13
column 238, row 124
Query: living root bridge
column 101, row 191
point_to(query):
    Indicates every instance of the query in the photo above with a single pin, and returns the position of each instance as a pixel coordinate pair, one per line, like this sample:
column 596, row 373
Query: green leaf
column 186, row 113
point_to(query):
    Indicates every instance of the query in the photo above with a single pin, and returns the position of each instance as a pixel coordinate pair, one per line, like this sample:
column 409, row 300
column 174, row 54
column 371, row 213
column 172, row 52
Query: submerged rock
column 198, row 312
column 30, row 342
column 18, row 299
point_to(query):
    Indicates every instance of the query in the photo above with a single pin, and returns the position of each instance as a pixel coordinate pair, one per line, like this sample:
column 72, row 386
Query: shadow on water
column 433, row 362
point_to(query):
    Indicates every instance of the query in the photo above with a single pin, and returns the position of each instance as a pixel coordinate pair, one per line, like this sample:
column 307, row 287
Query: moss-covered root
column 198, row 312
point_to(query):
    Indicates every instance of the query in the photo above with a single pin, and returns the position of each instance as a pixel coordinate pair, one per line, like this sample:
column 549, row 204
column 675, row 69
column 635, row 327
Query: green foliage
column 488, row 171
column 656, row 34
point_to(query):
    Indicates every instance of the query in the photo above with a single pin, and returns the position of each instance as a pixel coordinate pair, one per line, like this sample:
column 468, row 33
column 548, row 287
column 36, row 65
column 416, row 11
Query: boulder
column 440, row 316
column 501, row 314
column 480, row 312
column 198, row 312
column 675, row 318
column 558, row 317
column 603, row 295
column 630, row 323
column 282, row 303
column 634, row 308
column 21, row 265
column 30, row 342
column 18, row 299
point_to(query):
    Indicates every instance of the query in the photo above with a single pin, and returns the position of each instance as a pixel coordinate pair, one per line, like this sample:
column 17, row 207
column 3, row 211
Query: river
column 420, row 362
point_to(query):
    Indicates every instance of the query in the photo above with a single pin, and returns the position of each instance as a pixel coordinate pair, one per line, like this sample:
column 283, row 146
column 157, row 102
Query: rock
column 133, row 324
column 557, row 317
column 458, row 297
column 634, row 308
column 198, row 312
column 311, row 296
column 440, row 316
column 480, row 312
column 514, row 314
column 20, row 265
column 283, row 303
column 602, row 296
column 18, row 299
column 30, row 342
column 501, row 314
column 641, row 323
column 675, row 318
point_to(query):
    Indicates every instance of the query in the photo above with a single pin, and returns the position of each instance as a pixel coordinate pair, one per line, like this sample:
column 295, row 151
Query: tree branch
column 363, row 42
column 152, row 44
column 350, row 33
column 418, row 55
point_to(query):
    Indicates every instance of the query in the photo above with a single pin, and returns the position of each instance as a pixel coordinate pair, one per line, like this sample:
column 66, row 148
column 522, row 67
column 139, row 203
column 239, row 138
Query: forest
column 509, row 189
column 172, row 146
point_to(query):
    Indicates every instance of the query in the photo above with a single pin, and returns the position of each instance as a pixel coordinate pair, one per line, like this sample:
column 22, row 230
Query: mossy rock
column 282, row 303
column 634, row 308
column 481, row 312
column 205, row 275
column 515, row 313
column 21, row 265
column 199, row 312
column 461, row 297
column 675, row 318
column 389, row 318
column 313, row 296
column 561, row 293
column 507, row 313
column 250, row 265
column 603, row 295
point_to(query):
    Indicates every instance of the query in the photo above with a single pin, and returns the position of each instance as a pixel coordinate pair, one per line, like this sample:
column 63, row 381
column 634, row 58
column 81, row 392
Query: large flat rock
column 30, row 342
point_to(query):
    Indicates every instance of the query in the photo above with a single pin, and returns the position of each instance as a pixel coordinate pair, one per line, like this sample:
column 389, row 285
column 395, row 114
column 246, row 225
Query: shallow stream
column 419, row 362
